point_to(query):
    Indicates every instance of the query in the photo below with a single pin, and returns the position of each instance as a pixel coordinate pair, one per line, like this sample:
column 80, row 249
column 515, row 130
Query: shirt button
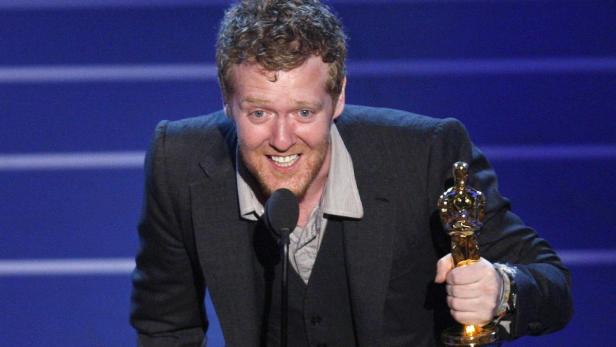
column 315, row 320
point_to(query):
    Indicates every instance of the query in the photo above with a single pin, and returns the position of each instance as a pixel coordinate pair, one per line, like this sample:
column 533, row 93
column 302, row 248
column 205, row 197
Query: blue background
column 528, row 78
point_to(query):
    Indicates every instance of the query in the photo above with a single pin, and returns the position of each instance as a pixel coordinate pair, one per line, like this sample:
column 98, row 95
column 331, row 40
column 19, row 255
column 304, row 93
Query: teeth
column 286, row 160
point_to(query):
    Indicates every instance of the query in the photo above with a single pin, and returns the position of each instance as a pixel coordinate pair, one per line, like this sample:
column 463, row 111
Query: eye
column 305, row 114
column 258, row 114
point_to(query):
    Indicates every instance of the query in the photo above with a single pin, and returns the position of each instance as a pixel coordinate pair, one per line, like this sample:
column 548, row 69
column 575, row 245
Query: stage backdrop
column 83, row 83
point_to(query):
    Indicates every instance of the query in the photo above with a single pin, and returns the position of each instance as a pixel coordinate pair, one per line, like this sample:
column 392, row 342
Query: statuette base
column 456, row 336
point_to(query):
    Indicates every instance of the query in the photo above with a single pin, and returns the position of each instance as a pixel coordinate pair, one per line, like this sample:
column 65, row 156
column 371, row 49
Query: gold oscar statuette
column 462, row 212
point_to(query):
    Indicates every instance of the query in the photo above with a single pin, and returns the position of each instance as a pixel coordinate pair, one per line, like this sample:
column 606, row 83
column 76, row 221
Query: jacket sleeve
column 167, row 296
column 542, row 281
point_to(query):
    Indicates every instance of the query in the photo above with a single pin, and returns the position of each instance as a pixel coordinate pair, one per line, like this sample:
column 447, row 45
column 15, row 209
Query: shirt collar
column 341, row 196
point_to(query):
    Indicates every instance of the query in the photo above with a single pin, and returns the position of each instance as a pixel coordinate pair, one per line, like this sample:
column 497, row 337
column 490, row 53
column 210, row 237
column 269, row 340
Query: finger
column 468, row 318
column 471, row 273
column 481, row 307
column 464, row 291
column 464, row 304
column 461, row 276
column 443, row 267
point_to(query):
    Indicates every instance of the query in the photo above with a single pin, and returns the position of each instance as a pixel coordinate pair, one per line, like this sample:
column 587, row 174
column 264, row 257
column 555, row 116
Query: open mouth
column 284, row 161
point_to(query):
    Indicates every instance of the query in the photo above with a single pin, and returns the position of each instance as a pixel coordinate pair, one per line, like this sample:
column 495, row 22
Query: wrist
column 508, row 294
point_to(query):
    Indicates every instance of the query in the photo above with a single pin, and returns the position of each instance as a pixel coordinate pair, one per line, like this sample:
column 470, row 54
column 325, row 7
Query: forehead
column 311, row 74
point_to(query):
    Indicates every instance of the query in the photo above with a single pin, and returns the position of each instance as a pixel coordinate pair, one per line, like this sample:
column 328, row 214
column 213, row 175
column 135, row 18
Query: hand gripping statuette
column 462, row 212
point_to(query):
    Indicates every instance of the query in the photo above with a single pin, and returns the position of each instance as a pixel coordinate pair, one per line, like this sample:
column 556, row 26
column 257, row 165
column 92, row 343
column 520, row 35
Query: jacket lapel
column 368, row 250
column 224, row 245
column 369, row 241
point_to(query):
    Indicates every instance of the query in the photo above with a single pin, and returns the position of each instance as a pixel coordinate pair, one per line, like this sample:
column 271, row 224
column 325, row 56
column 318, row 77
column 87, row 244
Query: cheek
column 314, row 136
column 251, row 137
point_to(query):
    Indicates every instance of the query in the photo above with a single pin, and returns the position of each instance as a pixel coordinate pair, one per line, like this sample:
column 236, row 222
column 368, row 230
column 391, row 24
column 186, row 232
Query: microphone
column 281, row 215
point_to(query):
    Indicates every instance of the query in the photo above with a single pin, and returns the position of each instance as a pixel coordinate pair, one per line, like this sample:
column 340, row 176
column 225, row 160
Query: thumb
column 443, row 266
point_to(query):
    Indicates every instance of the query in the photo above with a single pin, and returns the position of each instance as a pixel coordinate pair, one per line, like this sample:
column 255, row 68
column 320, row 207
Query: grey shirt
column 340, row 198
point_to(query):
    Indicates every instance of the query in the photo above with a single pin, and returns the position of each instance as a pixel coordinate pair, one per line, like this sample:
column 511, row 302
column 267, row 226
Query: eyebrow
column 317, row 105
column 251, row 100
column 258, row 101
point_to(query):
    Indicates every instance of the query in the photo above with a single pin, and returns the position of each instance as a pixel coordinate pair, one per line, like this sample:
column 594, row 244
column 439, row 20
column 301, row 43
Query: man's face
column 283, row 121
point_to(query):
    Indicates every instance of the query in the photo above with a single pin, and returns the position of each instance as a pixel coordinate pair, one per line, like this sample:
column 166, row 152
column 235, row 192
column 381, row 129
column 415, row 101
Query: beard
column 298, row 181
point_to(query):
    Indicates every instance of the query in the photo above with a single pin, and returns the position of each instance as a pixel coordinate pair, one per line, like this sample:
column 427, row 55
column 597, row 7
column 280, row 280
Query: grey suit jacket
column 193, row 238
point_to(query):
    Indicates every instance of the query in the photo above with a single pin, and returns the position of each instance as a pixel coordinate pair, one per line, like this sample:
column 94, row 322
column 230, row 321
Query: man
column 368, row 247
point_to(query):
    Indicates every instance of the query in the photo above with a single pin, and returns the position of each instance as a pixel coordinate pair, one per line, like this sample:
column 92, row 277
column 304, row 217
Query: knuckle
column 454, row 276
column 452, row 303
column 458, row 316
column 455, row 291
column 464, row 318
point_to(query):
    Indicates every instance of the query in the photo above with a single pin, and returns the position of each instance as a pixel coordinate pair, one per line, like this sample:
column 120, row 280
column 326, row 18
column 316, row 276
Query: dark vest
column 320, row 312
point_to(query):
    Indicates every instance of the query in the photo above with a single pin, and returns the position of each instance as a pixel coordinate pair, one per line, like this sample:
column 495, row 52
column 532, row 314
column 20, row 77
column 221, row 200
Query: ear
column 340, row 102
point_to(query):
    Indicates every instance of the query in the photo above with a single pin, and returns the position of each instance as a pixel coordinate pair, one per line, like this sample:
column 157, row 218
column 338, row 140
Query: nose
column 283, row 134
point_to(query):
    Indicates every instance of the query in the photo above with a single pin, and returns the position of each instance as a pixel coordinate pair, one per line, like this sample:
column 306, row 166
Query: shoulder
column 205, row 131
column 195, row 128
column 187, row 142
column 393, row 126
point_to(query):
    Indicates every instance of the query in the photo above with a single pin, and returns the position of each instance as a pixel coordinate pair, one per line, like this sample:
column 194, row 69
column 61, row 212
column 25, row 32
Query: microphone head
column 281, row 211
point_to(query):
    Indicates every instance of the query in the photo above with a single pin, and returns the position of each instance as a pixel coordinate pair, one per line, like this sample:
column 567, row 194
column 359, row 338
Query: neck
column 314, row 192
column 307, row 204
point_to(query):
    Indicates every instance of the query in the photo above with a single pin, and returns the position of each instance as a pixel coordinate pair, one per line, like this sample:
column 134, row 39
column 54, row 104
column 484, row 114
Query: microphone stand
column 281, row 215
column 284, row 250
